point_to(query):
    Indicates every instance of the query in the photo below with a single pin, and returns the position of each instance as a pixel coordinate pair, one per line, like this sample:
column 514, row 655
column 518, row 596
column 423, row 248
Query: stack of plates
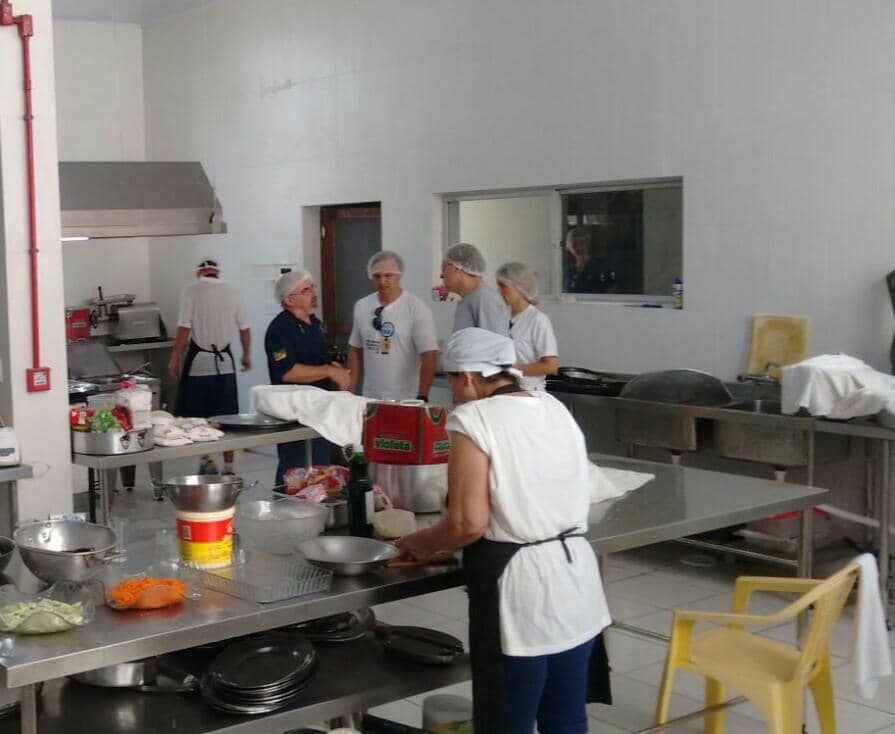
column 346, row 627
column 259, row 675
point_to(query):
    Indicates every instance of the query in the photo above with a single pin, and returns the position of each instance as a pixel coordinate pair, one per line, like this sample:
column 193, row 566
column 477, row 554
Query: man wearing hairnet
column 393, row 339
column 530, row 329
column 462, row 272
column 209, row 309
column 298, row 353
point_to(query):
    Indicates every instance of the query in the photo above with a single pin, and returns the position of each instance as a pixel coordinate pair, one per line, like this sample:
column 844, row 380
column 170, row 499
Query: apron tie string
column 562, row 538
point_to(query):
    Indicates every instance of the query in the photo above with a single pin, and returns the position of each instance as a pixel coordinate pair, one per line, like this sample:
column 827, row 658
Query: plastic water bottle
column 677, row 293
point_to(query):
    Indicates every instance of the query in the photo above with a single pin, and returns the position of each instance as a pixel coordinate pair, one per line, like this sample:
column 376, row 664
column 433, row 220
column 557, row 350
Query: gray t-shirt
column 483, row 308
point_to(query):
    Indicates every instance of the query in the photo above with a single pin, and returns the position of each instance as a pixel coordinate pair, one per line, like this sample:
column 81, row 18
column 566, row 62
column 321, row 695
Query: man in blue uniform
column 298, row 353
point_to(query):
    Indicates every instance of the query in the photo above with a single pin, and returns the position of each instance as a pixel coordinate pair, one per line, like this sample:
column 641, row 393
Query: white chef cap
column 465, row 257
column 288, row 282
column 519, row 275
column 481, row 351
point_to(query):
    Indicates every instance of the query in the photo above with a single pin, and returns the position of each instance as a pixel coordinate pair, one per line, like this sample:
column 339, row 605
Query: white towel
column 835, row 385
column 337, row 416
column 870, row 658
column 607, row 483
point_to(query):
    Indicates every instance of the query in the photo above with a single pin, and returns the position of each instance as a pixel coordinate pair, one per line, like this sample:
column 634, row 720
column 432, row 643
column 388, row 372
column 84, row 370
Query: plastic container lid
column 445, row 709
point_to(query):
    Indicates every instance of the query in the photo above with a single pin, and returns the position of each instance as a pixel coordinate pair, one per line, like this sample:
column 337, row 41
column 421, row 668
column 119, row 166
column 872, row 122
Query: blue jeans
column 293, row 454
column 549, row 689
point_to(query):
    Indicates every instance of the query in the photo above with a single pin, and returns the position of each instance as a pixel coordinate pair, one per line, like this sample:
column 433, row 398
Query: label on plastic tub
column 206, row 538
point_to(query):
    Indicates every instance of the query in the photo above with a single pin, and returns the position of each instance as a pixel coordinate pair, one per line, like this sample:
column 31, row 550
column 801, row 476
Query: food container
column 203, row 492
column 57, row 550
column 276, row 526
column 206, row 538
column 395, row 433
column 446, row 714
column 61, row 607
column 112, row 442
column 158, row 586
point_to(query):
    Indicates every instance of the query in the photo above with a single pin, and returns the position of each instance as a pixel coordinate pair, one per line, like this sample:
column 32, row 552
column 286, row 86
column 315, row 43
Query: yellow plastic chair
column 771, row 674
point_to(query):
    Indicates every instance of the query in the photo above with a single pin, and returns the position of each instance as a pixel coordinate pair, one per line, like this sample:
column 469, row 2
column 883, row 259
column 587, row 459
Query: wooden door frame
column 328, row 217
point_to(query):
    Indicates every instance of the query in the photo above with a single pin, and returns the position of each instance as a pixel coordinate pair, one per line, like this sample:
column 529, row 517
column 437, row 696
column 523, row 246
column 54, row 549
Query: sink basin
column 769, row 407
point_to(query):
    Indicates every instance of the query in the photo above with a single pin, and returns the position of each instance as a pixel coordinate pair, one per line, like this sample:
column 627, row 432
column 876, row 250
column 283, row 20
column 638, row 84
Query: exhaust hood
column 137, row 199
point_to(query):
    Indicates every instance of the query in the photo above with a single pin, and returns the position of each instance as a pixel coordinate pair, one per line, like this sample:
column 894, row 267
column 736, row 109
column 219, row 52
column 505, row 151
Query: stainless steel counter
column 8, row 501
column 678, row 502
column 232, row 441
column 14, row 473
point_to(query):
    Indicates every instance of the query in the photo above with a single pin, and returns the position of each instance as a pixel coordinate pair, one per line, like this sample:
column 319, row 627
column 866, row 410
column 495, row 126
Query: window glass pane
column 622, row 242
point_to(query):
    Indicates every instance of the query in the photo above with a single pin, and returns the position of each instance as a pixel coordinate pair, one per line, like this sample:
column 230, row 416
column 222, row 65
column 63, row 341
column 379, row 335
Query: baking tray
column 263, row 578
column 249, row 420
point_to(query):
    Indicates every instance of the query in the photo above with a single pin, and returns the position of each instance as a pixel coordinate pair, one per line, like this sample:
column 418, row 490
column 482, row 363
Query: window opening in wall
column 603, row 242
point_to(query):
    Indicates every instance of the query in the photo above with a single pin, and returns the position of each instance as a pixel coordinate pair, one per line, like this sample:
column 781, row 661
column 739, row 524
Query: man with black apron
column 207, row 379
column 518, row 505
column 299, row 353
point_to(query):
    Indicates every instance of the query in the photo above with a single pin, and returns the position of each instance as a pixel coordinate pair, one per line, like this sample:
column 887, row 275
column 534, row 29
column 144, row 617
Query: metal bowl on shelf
column 65, row 550
column 123, row 675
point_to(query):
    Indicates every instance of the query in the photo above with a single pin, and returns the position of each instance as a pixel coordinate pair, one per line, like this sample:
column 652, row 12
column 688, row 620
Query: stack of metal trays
column 259, row 675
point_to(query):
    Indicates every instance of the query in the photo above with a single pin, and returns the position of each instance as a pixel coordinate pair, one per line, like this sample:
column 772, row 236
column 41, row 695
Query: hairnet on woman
column 530, row 329
column 518, row 504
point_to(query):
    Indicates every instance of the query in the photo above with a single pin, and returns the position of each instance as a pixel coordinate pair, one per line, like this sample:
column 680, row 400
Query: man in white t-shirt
column 393, row 341
column 209, row 308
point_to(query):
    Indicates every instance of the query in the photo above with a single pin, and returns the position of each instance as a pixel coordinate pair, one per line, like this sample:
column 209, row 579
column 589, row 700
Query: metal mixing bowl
column 202, row 492
column 58, row 550
column 347, row 555
column 124, row 675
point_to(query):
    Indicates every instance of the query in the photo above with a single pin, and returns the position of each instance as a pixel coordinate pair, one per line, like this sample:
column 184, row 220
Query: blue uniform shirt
column 290, row 341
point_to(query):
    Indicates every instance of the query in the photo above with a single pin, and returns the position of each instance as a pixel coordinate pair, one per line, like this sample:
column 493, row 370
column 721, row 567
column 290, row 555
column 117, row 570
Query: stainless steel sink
column 768, row 407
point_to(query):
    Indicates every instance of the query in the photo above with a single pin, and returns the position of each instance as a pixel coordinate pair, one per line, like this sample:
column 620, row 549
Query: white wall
column 777, row 116
column 506, row 230
column 39, row 418
column 99, row 97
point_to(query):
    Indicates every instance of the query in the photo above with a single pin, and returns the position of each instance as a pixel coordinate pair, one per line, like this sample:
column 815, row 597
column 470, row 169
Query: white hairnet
column 465, row 257
column 288, row 282
column 518, row 275
column 479, row 350
column 208, row 263
column 383, row 256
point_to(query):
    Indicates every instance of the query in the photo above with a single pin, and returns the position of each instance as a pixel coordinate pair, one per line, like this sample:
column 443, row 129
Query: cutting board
column 780, row 339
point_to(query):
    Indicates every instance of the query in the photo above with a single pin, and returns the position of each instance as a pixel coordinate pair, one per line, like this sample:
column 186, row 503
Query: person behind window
column 393, row 339
column 518, row 505
column 298, row 353
column 584, row 274
column 462, row 272
column 530, row 328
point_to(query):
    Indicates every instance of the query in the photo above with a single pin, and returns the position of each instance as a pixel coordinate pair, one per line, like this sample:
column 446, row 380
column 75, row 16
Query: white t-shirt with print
column 209, row 308
column 539, row 488
column 392, row 354
column 533, row 338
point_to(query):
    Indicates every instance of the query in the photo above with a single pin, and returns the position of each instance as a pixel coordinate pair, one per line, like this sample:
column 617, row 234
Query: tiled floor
column 642, row 587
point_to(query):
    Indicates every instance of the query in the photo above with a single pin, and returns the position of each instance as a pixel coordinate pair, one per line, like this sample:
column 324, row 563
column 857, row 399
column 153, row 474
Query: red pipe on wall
column 38, row 378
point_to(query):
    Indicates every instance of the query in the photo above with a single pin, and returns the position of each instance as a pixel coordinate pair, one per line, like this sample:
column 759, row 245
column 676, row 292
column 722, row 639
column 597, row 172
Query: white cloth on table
column 835, row 386
column 607, row 482
column 170, row 435
column 871, row 659
column 337, row 416
column 204, row 433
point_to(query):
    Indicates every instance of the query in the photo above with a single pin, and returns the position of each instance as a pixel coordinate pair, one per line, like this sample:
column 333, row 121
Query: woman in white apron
column 518, row 501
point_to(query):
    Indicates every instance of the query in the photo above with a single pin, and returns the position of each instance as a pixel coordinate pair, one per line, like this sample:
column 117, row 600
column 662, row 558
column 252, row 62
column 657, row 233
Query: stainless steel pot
column 112, row 443
column 124, row 675
column 203, row 492
column 58, row 550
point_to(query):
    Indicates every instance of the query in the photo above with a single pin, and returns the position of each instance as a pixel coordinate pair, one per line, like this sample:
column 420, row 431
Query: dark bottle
column 360, row 497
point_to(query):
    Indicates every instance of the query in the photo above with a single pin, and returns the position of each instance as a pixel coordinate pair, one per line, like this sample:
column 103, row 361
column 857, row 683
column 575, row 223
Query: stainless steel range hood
column 137, row 199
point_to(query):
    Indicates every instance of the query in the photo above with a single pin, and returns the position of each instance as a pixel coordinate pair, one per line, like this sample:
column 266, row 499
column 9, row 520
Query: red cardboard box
column 406, row 434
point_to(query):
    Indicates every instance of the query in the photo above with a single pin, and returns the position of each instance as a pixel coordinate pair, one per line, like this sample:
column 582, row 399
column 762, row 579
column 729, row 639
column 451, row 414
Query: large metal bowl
column 347, row 555
column 64, row 550
column 202, row 492
column 124, row 675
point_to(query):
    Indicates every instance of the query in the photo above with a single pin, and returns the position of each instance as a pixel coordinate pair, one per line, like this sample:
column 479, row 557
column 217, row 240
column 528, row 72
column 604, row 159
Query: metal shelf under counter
column 140, row 346
column 349, row 677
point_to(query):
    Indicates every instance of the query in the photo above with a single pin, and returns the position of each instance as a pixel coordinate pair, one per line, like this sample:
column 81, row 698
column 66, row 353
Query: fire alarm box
column 406, row 434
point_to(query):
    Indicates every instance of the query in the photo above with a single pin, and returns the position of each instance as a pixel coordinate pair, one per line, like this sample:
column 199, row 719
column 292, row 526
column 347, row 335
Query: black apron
column 483, row 564
column 191, row 353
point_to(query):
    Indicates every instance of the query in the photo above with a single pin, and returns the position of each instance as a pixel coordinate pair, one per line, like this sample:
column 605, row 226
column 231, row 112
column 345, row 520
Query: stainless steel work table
column 9, row 475
column 232, row 441
column 678, row 502
column 859, row 428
